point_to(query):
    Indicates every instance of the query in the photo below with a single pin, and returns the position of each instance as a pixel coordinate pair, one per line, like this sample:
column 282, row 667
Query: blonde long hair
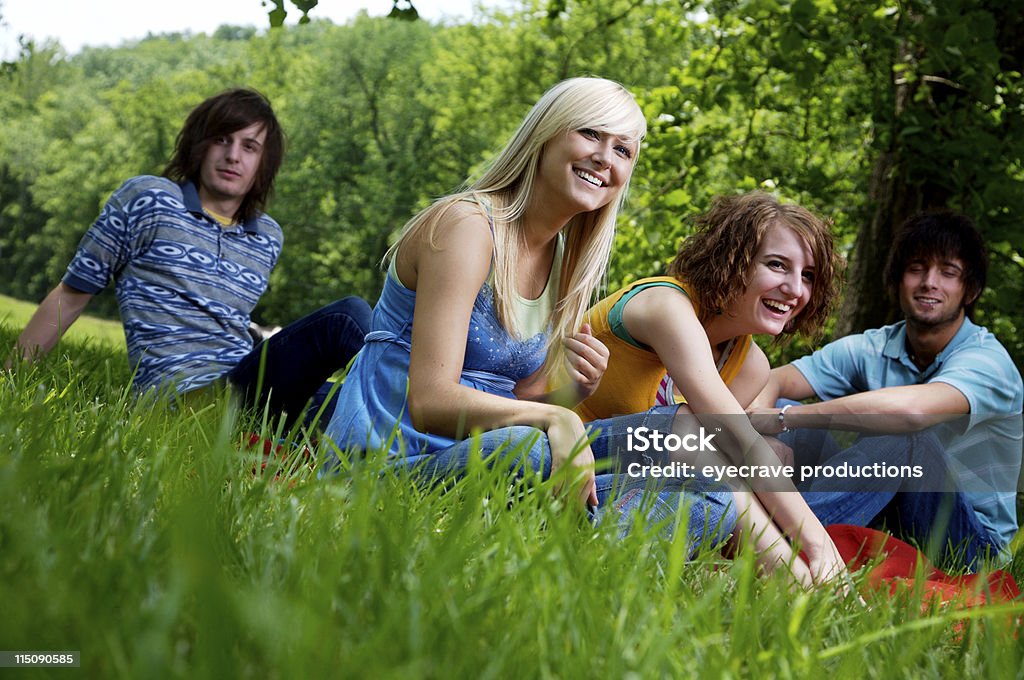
column 507, row 183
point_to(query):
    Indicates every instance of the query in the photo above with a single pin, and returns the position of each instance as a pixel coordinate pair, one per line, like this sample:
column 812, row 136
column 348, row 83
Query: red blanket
column 896, row 566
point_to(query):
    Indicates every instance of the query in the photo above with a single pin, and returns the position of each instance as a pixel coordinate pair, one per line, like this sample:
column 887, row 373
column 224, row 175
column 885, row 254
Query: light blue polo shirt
column 983, row 448
column 185, row 284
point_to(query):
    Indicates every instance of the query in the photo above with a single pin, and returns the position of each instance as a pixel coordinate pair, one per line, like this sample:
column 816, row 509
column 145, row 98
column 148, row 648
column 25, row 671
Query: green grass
column 16, row 313
column 138, row 534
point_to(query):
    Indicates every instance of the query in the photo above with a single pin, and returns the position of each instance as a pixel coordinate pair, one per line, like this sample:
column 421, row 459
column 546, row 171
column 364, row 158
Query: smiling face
column 781, row 281
column 582, row 170
column 229, row 169
column 932, row 293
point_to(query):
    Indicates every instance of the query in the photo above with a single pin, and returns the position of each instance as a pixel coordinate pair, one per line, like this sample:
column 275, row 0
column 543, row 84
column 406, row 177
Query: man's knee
column 352, row 308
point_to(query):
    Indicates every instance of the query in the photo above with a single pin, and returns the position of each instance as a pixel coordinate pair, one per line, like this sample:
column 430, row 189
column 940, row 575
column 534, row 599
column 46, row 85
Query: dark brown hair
column 715, row 261
column 935, row 237
column 224, row 114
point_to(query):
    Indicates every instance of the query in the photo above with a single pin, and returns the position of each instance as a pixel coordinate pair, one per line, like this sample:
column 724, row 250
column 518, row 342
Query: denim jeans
column 525, row 451
column 300, row 358
column 930, row 510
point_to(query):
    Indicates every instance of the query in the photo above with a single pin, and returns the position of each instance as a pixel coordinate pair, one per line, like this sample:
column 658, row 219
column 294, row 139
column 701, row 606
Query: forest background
column 864, row 111
column 142, row 536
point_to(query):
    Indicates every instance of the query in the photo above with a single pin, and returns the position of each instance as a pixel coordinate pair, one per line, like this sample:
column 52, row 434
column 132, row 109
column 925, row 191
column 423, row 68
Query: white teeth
column 590, row 178
column 780, row 307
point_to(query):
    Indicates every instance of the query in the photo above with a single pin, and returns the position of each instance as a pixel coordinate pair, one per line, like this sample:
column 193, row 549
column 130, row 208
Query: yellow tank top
column 630, row 385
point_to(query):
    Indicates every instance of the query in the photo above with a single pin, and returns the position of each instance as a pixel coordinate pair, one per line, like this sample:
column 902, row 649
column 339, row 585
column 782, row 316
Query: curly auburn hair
column 716, row 260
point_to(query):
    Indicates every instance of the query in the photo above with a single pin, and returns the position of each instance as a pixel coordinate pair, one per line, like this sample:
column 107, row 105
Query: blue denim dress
column 372, row 411
column 372, row 415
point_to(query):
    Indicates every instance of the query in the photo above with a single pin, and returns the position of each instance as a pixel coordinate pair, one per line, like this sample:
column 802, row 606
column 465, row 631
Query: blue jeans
column 930, row 510
column 292, row 380
column 525, row 451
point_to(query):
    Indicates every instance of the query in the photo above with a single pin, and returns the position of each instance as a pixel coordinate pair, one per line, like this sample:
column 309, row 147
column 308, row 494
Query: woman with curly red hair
column 682, row 344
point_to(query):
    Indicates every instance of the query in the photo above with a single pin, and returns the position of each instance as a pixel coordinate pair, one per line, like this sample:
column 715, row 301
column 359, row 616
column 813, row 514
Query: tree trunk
column 866, row 303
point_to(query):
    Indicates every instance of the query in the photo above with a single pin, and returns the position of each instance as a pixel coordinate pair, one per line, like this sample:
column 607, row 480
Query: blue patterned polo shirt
column 185, row 284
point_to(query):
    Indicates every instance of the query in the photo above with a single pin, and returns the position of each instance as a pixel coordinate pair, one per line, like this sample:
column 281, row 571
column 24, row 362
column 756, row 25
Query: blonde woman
column 485, row 295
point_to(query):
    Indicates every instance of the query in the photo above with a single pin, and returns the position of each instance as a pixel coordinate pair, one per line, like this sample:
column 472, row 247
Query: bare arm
column 785, row 382
column 664, row 319
column 752, row 377
column 52, row 318
column 447, row 276
column 892, row 410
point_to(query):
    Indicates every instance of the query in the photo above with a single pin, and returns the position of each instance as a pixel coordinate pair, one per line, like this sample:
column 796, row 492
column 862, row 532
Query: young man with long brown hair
column 190, row 254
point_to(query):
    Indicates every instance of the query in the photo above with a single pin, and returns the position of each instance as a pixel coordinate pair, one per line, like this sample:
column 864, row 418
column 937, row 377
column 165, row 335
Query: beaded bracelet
column 782, row 416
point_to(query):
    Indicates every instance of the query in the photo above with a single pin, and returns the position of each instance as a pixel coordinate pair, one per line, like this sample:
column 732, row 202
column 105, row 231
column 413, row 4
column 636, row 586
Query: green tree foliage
column 26, row 95
column 360, row 154
column 862, row 110
column 278, row 13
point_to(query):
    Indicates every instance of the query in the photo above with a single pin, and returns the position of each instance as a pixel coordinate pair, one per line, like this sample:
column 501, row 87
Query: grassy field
column 138, row 534
column 16, row 313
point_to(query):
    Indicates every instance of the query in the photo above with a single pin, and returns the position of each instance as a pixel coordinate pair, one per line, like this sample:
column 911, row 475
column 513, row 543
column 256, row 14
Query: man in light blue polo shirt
column 191, row 254
column 936, row 398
